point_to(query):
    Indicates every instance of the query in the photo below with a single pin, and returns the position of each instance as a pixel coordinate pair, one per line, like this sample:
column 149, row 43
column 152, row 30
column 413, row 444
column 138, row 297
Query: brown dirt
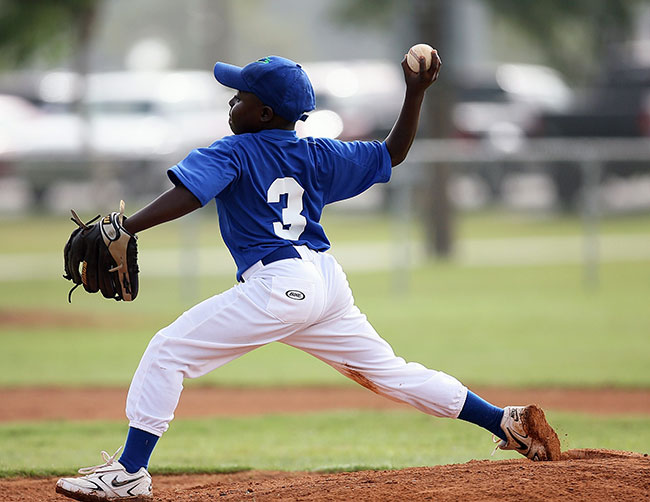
column 45, row 318
column 535, row 422
column 581, row 476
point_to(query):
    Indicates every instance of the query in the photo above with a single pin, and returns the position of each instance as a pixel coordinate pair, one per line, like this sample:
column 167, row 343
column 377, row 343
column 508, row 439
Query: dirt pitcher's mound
column 582, row 475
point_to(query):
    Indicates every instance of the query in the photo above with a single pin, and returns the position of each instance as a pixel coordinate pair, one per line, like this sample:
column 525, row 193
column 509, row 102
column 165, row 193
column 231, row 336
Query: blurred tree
column 46, row 28
column 369, row 12
column 434, row 21
column 556, row 25
column 573, row 35
column 50, row 29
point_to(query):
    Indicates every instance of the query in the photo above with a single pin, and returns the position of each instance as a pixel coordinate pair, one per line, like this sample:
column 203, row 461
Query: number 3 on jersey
column 293, row 223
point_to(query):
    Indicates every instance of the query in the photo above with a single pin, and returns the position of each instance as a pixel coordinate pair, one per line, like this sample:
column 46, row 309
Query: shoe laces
column 499, row 443
column 108, row 460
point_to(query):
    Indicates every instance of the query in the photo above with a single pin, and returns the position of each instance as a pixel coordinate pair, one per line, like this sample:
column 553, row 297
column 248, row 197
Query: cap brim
column 230, row 76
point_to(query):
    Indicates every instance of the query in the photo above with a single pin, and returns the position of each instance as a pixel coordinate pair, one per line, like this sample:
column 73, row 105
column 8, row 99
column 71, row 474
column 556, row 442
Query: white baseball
column 414, row 55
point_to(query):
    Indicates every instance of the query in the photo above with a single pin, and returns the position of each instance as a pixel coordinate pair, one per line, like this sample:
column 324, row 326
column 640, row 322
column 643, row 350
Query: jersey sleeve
column 347, row 169
column 207, row 171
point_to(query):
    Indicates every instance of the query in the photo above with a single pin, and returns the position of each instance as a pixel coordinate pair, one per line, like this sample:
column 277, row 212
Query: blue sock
column 480, row 412
column 138, row 449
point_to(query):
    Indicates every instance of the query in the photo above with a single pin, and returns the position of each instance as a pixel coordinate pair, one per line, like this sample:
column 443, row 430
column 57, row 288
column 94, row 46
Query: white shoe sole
column 88, row 497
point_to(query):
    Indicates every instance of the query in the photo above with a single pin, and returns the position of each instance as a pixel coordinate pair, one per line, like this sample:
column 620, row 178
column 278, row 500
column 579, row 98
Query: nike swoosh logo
column 119, row 484
column 522, row 445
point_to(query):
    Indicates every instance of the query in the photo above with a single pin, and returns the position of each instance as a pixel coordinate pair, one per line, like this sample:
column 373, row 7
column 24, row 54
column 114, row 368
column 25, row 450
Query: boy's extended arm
column 172, row 204
column 401, row 136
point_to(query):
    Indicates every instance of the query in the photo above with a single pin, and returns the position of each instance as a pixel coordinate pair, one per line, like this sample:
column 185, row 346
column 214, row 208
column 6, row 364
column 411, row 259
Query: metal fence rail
column 532, row 150
column 590, row 154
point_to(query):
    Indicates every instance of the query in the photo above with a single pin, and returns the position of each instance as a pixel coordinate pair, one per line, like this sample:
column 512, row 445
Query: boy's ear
column 267, row 114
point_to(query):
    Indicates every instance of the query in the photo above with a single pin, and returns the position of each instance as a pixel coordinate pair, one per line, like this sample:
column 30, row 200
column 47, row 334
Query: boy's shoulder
column 231, row 146
column 244, row 139
column 247, row 140
column 229, row 141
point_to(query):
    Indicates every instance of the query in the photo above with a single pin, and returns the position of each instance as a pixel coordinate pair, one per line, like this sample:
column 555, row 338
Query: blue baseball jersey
column 270, row 187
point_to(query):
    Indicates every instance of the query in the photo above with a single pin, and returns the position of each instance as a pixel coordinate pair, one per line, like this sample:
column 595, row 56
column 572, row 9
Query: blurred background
column 541, row 110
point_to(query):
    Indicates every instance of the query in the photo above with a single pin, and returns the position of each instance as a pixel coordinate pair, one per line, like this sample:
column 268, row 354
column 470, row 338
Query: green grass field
column 487, row 325
column 346, row 440
column 468, row 322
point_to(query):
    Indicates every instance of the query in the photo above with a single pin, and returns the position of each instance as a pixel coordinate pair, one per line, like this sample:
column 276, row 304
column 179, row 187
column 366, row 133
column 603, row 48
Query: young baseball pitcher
column 270, row 189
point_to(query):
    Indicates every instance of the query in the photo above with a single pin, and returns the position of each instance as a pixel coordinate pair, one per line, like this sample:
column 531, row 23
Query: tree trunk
column 433, row 21
column 84, row 19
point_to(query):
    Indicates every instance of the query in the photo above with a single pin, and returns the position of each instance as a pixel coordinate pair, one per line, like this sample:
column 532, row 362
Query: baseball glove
column 108, row 256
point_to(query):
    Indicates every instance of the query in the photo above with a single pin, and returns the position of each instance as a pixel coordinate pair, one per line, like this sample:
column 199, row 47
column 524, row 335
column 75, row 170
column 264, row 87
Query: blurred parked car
column 14, row 111
column 51, row 130
column 49, row 91
column 616, row 106
column 357, row 99
column 154, row 114
column 503, row 106
column 28, row 131
column 116, row 113
column 507, row 100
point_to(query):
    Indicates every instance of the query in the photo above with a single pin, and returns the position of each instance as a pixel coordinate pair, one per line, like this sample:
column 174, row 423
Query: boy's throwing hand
column 421, row 80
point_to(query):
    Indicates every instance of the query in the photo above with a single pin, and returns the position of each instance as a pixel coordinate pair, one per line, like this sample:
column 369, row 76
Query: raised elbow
column 396, row 160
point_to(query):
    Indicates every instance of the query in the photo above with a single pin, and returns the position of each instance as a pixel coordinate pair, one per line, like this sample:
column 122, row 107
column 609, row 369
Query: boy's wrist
column 416, row 88
column 414, row 94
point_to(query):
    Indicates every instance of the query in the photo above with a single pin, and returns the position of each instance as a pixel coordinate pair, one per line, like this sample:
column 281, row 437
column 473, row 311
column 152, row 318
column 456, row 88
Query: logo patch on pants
column 294, row 294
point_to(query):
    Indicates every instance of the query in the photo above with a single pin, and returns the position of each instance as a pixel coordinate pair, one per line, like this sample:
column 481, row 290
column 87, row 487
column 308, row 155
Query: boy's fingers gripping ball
column 415, row 53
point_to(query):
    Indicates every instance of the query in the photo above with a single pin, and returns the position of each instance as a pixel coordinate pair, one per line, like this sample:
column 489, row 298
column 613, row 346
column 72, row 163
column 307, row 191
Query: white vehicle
column 125, row 124
column 358, row 99
column 152, row 114
column 507, row 100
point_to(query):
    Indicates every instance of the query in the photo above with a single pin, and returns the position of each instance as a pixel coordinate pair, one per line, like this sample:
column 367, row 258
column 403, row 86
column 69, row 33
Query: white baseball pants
column 305, row 303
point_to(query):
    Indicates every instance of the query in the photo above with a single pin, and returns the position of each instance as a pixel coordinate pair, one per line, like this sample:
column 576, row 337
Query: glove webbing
column 83, row 226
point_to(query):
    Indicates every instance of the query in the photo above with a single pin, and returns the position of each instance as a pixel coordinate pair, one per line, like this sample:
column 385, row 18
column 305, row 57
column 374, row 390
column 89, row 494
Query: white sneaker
column 529, row 433
column 108, row 481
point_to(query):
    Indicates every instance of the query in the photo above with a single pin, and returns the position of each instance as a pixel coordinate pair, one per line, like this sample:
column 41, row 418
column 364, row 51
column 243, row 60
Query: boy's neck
column 279, row 123
column 269, row 127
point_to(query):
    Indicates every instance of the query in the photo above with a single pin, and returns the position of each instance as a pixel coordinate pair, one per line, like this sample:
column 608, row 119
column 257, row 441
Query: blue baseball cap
column 279, row 83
